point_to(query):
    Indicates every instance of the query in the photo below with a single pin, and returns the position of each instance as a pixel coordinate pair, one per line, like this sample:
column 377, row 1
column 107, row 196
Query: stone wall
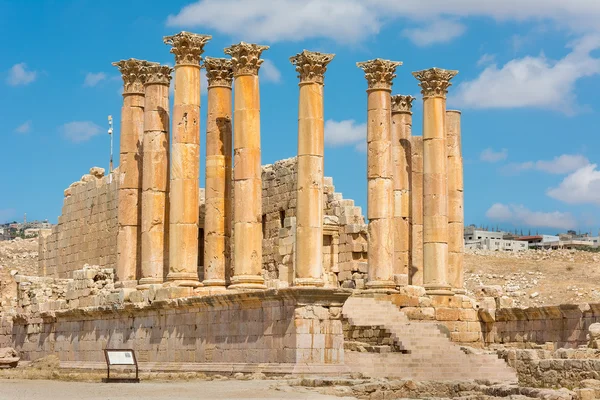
column 86, row 232
column 547, row 368
column 564, row 325
column 260, row 327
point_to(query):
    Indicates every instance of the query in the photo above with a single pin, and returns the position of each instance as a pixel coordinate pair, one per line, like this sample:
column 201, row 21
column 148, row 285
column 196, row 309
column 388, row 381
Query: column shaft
column 217, row 220
column 185, row 159
column 380, row 200
column 130, row 188
column 416, row 212
column 309, row 203
column 434, row 84
column 184, row 179
column 247, row 172
column 130, row 172
column 401, row 154
column 155, row 175
column 247, row 184
column 380, row 171
column 455, row 202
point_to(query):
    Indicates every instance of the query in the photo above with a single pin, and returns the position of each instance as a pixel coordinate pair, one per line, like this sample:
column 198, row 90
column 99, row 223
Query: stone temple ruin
column 268, row 268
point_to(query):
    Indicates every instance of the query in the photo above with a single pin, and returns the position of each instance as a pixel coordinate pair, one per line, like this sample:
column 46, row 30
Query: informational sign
column 120, row 357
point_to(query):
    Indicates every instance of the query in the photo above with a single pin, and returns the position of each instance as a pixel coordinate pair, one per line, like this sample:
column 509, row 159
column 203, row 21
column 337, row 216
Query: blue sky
column 527, row 88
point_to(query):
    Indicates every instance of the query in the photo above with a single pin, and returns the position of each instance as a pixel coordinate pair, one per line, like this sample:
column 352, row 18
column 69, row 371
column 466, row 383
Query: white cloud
column 20, row 75
column 269, row 72
column 580, row 187
column 80, row 131
column 351, row 21
column 92, row 79
column 346, row 132
column 489, row 155
column 486, row 59
column 25, row 127
column 438, row 31
column 562, row 164
column 532, row 81
column 520, row 215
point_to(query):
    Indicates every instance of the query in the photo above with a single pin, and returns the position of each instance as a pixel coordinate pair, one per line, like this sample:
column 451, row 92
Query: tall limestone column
column 155, row 179
column 402, row 156
column 247, row 179
column 415, row 276
column 380, row 197
column 434, row 84
column 130, row 171
column 185, row 159
column 311, row 67
column 456, row 217
column 217, row 219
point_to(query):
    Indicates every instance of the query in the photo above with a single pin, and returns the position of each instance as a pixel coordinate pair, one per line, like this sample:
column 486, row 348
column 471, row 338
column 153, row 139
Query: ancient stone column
column 130, row 172
column 416, row 212
column 185, row 159
column 155, row 178
column 247, row 179
column 456, row 217
column 434, row 84
column 402, row 157
column 217, row 219
column 380, row 197
column 311, row 67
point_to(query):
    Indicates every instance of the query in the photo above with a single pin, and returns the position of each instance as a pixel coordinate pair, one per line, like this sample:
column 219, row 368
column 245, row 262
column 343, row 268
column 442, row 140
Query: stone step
column 430, row 355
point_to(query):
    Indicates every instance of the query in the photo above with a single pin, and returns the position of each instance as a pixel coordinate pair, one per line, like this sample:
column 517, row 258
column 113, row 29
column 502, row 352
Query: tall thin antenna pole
column 110, row 132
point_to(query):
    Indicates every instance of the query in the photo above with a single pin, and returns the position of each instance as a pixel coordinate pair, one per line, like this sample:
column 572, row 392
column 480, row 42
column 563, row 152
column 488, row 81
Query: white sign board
column 120, row 357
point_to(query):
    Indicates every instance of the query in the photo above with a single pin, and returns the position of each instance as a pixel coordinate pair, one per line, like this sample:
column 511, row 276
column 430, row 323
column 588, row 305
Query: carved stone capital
column 132, row 71
column 311, row 65
column 402, row 103
column 218, row 71
column 187, row 47
column 434, row 82
column 245, row 58
column 157, row 74
column 379, row 72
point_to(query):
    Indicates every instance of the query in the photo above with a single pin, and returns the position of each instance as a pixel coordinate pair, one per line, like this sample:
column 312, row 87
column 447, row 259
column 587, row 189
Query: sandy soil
column 227, row 389
column 537, row 277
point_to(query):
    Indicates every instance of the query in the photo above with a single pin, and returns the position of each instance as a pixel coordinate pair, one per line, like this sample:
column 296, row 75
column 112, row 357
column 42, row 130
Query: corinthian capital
column 311, row 65
column 434, row 82
column 218, row 71
column 157, row 74
column 379, row 72
column 245, row 58
column 402, row 103
column 132, row 71
column 187, row 47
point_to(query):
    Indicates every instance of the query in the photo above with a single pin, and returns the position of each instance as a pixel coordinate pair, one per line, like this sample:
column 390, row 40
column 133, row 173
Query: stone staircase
column 428, row 354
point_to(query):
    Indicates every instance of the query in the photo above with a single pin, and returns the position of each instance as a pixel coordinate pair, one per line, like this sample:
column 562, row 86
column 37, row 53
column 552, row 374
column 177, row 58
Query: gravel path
column 228, row 389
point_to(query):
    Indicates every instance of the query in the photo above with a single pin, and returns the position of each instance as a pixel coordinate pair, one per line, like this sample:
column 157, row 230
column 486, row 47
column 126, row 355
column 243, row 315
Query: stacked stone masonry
column 86, row 232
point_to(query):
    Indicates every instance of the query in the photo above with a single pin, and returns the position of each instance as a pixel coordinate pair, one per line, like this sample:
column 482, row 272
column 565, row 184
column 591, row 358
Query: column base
column 438, row 290
column 185, row 279
column 309, row 282
column 214, row 282
column 459, row 291
column 381, row 286
column 253, row 282
column 145, row 283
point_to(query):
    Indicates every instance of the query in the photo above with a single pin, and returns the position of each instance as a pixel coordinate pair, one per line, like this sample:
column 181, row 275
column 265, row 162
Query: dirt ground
column 193, row 390
column 537, row 277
